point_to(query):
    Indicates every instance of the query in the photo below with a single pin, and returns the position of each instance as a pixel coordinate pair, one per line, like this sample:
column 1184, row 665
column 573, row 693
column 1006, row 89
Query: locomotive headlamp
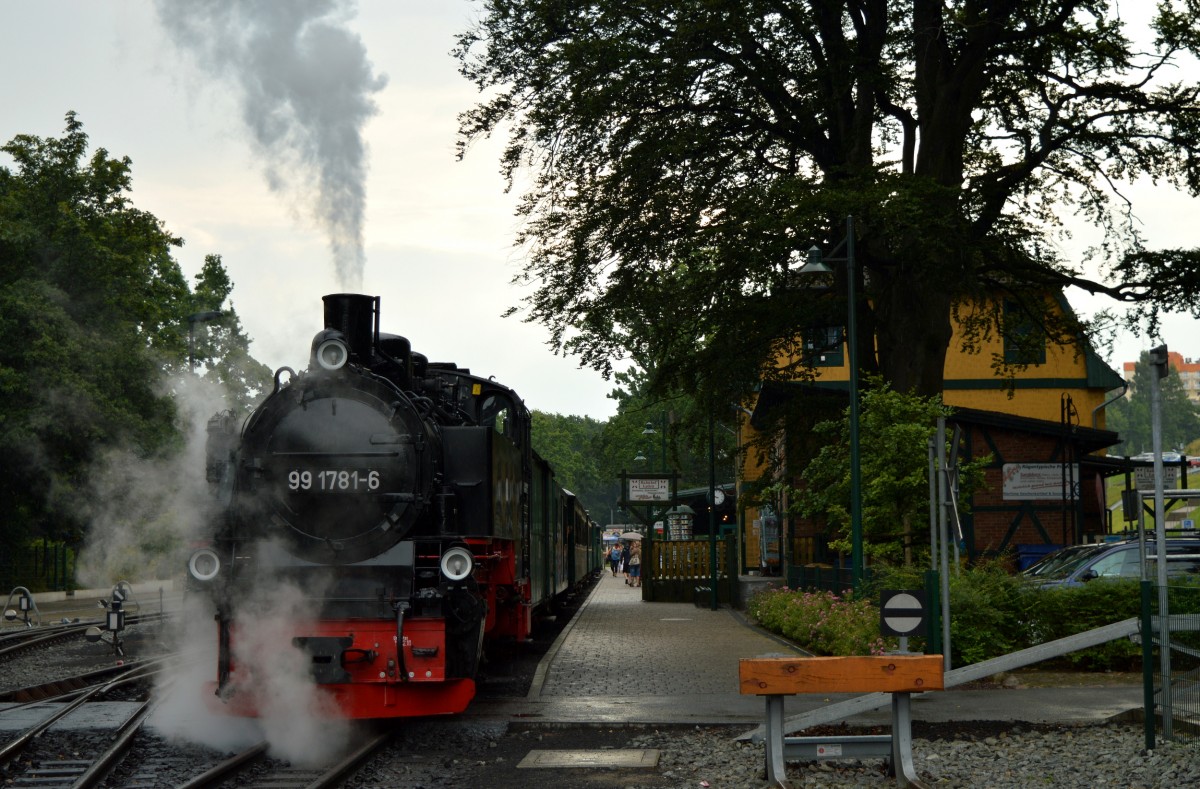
column 457, row 563
column 332, row 354
column 204, row 564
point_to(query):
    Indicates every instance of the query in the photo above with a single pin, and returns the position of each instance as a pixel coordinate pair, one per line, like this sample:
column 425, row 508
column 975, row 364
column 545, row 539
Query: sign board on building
column 1144, row 475
column 648, row 490
column 1040, row 481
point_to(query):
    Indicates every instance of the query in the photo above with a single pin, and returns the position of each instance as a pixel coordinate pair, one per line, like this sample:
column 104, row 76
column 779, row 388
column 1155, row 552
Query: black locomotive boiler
column 404, row 500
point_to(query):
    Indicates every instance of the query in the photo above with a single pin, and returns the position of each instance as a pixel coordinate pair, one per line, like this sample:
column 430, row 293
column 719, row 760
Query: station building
column 1042, row 423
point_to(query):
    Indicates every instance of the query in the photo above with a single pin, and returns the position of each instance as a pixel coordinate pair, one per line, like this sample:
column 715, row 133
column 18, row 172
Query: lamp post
column 816, row 266
column 712, row 509
column 649, row 431
column 193, row 319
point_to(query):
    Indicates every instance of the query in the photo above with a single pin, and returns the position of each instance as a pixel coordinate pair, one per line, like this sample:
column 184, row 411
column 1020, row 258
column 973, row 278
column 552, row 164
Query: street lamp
column 816, row 266
column 193, row 319
column 649, row 431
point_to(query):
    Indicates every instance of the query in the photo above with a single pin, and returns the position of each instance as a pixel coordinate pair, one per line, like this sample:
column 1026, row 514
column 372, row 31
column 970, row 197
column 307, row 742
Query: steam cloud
column 306, row 87
column 142, row 515
column 299, row 724
column 143, row 512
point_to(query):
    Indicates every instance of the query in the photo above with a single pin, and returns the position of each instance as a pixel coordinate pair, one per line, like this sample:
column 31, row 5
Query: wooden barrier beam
column 899, row 675
column 858, row 674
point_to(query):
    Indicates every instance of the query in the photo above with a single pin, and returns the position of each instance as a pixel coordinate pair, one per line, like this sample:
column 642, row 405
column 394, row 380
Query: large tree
column 679, row 159
column 93, row 311
column 221, row 346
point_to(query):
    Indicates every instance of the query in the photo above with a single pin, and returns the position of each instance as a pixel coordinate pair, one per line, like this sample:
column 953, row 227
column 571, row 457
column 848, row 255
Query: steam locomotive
column 404, row 498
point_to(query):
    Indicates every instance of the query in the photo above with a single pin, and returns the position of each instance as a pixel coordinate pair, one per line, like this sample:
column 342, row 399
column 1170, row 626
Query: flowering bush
column 820, row 622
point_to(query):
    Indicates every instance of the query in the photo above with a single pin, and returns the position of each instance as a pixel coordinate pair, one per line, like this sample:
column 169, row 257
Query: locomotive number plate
column 334, row 480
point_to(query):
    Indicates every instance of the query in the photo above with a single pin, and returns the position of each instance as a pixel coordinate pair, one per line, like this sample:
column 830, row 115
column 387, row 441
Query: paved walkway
column 618, row 641
column 676, row 663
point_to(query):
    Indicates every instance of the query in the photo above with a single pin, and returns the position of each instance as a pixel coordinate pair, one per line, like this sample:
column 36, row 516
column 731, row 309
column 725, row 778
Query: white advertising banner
column 1040, row 481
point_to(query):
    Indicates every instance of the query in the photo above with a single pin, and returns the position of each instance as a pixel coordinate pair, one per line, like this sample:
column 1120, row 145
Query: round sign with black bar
column 902, row 613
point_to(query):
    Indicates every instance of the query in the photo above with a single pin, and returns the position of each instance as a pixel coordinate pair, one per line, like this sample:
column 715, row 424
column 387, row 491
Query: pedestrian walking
column 625, row 562
column 614, row 558
column 635, row 565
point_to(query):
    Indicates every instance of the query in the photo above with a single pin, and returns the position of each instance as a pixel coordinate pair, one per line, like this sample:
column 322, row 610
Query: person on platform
column 614, row 558
column 635, row 565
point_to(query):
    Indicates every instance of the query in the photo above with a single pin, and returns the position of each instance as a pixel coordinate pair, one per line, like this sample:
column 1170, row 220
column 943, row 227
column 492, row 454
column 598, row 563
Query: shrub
column 992, row 613
column 1060, row 612
column 820, row 622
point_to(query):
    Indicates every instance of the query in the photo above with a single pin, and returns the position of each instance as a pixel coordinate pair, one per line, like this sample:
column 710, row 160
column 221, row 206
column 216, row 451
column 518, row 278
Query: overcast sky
column 437, row 233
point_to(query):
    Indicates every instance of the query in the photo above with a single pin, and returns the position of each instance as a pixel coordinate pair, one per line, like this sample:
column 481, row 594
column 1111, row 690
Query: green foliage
column 819, row 622
column 589, row 456
column 221, row 347
column 894, row 431
column 992, row 613
column 682, row 156
column 987, row 614
column 567, row 443
column 93, row 313
column 1130, row 416
column 1060, row 612
column 88, row 297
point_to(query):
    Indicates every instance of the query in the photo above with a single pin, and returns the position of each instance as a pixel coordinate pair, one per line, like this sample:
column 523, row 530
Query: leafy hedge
column 992, row 613
column 820, row 622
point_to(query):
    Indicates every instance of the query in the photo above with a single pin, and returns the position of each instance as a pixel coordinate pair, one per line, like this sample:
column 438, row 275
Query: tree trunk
column 913, row 331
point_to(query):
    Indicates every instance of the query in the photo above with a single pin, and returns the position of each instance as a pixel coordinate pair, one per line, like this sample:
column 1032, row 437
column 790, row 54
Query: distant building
column 1188, row 370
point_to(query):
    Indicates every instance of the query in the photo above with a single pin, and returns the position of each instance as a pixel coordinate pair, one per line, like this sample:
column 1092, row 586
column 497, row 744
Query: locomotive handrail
column 280, row 371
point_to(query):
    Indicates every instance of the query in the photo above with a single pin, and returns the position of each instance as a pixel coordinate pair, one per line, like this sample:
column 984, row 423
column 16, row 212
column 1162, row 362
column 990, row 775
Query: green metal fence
column 824, row 578
column 43, row 566
column 1171, row 661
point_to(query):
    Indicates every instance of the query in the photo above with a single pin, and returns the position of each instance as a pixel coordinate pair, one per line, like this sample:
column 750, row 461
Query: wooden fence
column 680, row 571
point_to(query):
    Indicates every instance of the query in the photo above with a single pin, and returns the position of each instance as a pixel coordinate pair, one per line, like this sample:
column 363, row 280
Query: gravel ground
column 453, row 753
column 995, row 756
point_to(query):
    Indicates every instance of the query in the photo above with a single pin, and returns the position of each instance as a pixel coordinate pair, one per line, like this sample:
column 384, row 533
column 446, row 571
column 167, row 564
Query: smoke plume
column 305, row 87
column 142, row 513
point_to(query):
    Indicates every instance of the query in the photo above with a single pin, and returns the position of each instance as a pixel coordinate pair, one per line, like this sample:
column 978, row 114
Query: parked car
column 1077, row 564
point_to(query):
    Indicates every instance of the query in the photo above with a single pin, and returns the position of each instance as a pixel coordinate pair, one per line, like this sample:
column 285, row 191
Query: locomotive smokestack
column 357, row 317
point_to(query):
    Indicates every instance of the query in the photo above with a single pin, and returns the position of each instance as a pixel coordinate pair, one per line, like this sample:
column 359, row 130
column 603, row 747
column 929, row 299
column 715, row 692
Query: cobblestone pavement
column 652, row 649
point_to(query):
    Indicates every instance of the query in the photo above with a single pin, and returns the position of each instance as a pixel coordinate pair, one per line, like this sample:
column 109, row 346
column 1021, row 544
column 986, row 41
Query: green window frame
column 825, row 346
column 1024, row 340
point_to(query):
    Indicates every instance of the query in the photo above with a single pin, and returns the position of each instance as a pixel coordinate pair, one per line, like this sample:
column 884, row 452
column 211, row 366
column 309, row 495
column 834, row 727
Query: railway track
column 50, row 755
column 73, row 772
column 280, row 775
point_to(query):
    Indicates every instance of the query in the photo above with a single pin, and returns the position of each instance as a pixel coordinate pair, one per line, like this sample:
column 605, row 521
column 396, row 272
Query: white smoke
column 144, row 512
column 185, row 710
column 300, row 723
column 305, row 87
